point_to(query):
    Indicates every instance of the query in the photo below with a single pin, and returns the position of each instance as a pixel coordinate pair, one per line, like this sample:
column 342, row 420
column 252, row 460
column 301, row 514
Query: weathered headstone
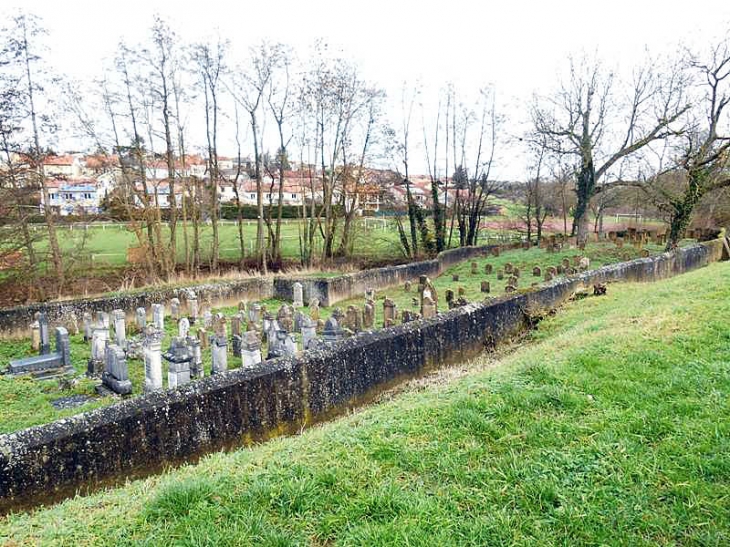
column 285, row 318
column 35, row 334
column 368, row 315
column 219, row 346
column 500, row 275
column 250, row 349
column 60, row 361
column 152, row 350
column 389, row 313
column 536, row 271
column 45, row 334
column 407, row 286
column 120, row 328
column 298, row 300
column 236, row 339
column 183, row 327
column 196, row 365
column 193, row 309
column 455, row 277
column 99, row 339
column 175, row 309
column 332, row 331
column 548, row 276
column 428, row 307
column 516, row 272
column 407, row 316
column 103, row 317
column 510, row 288
column 461, row 291
column 353, row 319
column 203, row 338
column 86, row 318
column 508, row 267
column 179, row 359
column 207, row 319
column 254, row 312
column 116, row 372
column 565, row 263
column 512, row 281
column 370, row 293
column 314, row 308
column 584, row 263
column 474, row 267
column 488, row 268
column 158, row 316
column 309, row 331
column 485, row 288
column 281, row 344
column 141, row 319
column 450, row 298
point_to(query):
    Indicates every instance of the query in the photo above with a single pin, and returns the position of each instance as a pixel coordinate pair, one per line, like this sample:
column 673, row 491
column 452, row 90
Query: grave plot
column 176, row 342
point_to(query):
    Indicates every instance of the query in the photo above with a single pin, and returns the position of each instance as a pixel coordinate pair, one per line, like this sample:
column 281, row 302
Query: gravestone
column 120, row 328
column 332, row 331
column 508, row 268
column 236, row 339
column 298, row 300
column 488, row 268
column 45, row 334
column 281, row 344
column 193, row 309
column 553, row 271
column 242, row 308
column 407, row 286
column 285, row 318
column 461, row 291
column 152, row 351
column 428, row 307
column 455, row 277
column 368, row 316
column 485, row 288
column 351, row 320
column 495, row 251
column 339, row 315
column 35, row 334
column 389, row 313
column 407, row 316
column 196, row 365
column 71, row 324
column 512, row 281
column 250, row 349
column 158, row 316
column 219, row 354
column 141, row 319
column 309, row 331
column 203, row 338
column 86, row 318
column 50, row 364
column 175, row 309
column 99, row 339
column 560, row 270
column 450, row 298
column 183, row 327
column 516, row 272
column 179, row 359
column 427, row 289
column 207, row 318
column 254, row 313
column 104, row 318
column 645, row 253
column 370, row 293
column 548, row 276
column 474, row 267
column 584, row 263
column 536, row 271
column 314, row 308
column 509, row 289
column 565, row 263
column 500, row 275
column 116, row 372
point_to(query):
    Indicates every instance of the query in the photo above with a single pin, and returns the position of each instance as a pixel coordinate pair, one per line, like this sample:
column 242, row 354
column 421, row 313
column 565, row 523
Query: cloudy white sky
column 518, row 46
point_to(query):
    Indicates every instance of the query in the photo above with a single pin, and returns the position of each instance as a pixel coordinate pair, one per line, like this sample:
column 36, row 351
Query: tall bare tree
column 583, row 118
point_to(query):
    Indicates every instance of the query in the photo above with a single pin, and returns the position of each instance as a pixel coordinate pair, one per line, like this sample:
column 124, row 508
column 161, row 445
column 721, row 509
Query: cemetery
column 266, row 368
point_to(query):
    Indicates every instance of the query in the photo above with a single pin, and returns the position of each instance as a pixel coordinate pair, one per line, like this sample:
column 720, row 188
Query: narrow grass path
column 610, row 427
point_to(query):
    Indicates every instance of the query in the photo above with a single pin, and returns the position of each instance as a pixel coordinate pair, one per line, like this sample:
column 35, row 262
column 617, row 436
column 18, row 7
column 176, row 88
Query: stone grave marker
column 158, row 316
column 179, row 360
column 485, row 287
column 152, row 351
column 368, row 316
column 488, row 268
column 47, row 365
column 332, row 331
column 298, row 295
column 116, row 372
column 86, row 319
column 428, row 307
column 183, row 327
column 407, row 286
column 474, row 267
column 536, row 271
column 99, row 339
column 450, row 298
column 175, row 309
column 314, row 308
column 250, row 349
column 120, row 328
column 389, row 313
column 141, row 319
column 35, row 333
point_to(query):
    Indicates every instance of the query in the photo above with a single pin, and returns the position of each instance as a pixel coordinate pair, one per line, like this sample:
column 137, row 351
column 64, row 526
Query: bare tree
column 582, row 117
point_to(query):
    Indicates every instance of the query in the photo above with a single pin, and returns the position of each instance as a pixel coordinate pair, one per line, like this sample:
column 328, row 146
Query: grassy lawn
column 27, row 401
column 610, row 427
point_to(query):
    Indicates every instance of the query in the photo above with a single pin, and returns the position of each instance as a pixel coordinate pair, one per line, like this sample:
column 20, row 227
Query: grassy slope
column 612, row 427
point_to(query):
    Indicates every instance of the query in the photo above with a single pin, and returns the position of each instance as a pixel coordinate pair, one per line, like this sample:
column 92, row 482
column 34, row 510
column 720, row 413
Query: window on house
column 294, row 196
column 253, row 196
column 52, row 196
column 68, row 196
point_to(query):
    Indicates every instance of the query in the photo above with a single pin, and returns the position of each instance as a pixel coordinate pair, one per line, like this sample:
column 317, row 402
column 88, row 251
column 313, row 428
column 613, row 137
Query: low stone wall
column 142, row 435
column 15, row 321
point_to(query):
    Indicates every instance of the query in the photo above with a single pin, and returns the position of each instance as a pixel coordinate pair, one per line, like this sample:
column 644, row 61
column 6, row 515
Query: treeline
column 159, row 105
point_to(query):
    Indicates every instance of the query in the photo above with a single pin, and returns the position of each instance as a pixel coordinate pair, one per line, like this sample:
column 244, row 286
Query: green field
column 28, row 402
column 610, row 426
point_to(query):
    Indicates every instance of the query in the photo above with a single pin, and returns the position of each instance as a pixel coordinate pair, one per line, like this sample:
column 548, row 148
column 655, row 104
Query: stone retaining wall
column 142, row 435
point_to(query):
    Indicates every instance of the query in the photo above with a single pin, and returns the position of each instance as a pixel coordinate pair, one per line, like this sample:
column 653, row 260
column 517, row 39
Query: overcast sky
column 518, row 46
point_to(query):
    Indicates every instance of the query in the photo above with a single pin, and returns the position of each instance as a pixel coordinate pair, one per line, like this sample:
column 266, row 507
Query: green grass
column 610, row 427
